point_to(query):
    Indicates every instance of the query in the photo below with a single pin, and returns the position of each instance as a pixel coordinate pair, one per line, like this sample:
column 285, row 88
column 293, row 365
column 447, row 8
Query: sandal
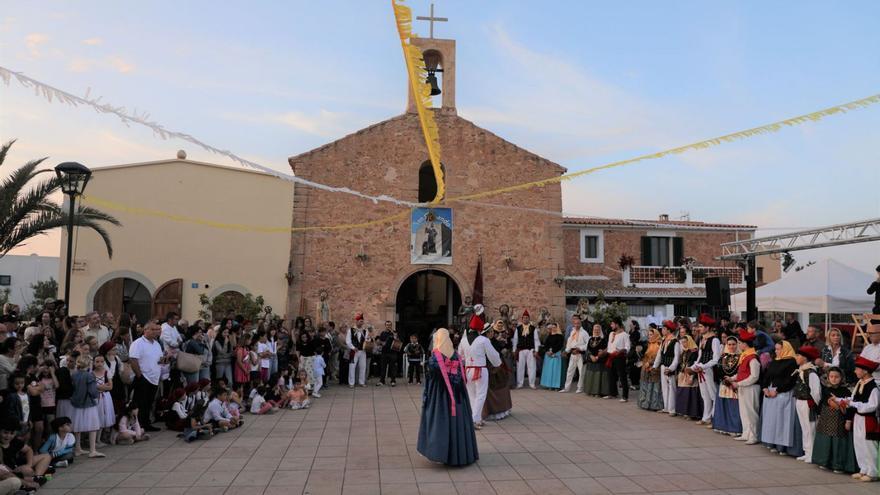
column 96, row 455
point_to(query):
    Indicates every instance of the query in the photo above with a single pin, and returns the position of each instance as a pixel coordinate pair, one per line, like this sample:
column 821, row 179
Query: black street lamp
column 74, row 177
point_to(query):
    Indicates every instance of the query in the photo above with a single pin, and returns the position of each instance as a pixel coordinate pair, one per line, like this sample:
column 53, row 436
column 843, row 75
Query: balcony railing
column 679, row 276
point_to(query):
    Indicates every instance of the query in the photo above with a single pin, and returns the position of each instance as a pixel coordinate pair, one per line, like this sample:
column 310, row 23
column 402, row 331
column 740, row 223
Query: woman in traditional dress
column 833, row 446
column 650, row 395
column 726, row 416
column 688, row 402
column 498, row 404
column 596, row 381
column 446, row 430
column 779, row 424
column 551, row 373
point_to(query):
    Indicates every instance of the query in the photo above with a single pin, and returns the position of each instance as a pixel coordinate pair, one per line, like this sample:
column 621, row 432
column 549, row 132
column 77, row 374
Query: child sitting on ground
column 216, row 414
column 175, row 419
column 259, row 404
column 60, row 443
column 298, row 398
column 128, row 429
column 20, row 458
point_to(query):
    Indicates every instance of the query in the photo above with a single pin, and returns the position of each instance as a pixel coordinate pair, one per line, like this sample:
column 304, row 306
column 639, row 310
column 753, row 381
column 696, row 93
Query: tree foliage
column 602, row 312
column 246, row 305
column 27, row 209
column 43, row 289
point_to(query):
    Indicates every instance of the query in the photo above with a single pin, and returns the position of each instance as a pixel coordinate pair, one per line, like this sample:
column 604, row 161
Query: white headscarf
column 443, row 343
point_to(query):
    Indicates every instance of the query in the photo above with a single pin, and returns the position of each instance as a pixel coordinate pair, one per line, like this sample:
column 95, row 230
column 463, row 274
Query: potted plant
column 625, row 261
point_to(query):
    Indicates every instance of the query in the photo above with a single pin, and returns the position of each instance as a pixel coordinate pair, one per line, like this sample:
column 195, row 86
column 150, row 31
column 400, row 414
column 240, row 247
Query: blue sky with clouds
column 581, row 83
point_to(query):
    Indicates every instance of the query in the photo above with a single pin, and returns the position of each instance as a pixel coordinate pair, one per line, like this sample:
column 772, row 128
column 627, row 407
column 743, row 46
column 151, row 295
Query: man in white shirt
column 474, row 349
column 872, row 350
column 575, row 347
column 357, row 358
column 526, row 343
column 618, row 348
column 144, row 356
column 100, row 332
column 708, row 356
column 171, row 338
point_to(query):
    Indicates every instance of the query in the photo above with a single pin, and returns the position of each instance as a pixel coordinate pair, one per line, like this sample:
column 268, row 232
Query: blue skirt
column 780, row 428
column 443, row 437
column 688, row 402
column 551, row 373
column 726, row 416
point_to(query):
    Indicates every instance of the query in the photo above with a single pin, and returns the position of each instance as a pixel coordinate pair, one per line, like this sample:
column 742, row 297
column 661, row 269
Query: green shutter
column 677, row 251
column 646, row 251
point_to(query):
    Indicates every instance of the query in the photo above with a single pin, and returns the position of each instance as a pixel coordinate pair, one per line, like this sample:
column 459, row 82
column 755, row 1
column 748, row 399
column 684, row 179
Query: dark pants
column 616, row 374
column 343, row 368
column 145, row 398
column 389, row 362
column 415, row 371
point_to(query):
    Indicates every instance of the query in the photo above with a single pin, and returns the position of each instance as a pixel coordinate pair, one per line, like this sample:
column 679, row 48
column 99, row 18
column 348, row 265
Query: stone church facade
column 369, row 269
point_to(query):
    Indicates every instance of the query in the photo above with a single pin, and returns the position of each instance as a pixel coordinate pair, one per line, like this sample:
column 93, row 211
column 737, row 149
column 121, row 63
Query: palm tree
column 26, row 212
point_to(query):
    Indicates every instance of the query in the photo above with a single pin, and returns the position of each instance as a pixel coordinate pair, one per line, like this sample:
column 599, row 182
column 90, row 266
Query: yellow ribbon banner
column 699, row 145
column 415, row 68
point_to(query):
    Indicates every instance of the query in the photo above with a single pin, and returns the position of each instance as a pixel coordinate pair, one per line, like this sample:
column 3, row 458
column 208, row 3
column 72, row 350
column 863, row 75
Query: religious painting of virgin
column 431, row 236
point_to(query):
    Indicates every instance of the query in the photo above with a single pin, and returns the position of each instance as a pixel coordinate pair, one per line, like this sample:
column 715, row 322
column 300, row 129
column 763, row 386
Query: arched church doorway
column 124, row 295
column 426, row 300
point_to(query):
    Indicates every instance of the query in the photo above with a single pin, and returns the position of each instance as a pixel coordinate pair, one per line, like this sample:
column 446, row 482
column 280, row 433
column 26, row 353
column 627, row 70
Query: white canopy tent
column 826, row 287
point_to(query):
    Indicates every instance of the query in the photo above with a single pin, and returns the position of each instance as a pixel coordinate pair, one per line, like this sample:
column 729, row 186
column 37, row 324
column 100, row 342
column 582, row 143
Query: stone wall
column 385, row 159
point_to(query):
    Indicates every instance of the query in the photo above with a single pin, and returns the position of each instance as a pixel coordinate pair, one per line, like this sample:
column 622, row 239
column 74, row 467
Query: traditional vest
column 744, row 371
column 594, row 346
column 729, row 365
column 357, row 342
column 667, row 353
column 802, row 387
column 524, row 342
column 706, row 355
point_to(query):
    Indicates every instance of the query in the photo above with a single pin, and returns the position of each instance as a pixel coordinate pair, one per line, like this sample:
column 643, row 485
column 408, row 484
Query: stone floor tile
column 511, row 488
column 400, row 489
column 549, row 486
column 620, row 484
column 474, row 488
column 585, row 486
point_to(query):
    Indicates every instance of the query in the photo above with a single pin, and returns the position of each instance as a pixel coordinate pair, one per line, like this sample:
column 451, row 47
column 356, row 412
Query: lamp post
column 74, row 177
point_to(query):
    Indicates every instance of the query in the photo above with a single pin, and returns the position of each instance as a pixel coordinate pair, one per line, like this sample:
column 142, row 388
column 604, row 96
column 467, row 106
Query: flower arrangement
column 688, row 262
column 625, row 261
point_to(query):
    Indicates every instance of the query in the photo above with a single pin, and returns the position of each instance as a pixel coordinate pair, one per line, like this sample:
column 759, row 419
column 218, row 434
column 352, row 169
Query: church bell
column 432, row 80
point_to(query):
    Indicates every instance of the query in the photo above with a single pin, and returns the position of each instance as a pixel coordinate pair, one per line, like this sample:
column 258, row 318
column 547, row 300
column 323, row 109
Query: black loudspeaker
column 718, row 291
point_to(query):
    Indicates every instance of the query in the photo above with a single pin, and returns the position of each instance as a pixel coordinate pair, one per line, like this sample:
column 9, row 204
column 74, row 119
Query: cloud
column 33, row 41
column 121, row 65
column 92, row 41
column 81, row 64
column 322, row 123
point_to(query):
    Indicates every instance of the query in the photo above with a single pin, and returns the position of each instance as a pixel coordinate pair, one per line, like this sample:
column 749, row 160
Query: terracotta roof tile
column 653, row 223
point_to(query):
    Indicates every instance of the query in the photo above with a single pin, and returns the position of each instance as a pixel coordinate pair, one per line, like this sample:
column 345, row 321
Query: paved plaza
column 363, row 442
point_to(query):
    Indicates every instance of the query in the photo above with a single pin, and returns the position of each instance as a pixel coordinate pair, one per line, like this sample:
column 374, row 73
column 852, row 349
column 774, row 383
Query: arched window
column 427, row 181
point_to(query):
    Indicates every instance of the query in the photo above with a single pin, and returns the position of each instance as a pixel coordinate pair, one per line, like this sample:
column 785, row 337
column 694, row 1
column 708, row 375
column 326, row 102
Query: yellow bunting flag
column 417, row 73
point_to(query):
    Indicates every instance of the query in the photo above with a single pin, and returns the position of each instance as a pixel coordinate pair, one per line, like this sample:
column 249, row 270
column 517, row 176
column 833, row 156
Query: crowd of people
column 74, row 384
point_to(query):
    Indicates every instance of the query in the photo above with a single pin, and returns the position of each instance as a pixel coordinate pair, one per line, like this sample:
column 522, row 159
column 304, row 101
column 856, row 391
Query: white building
column 19, row 272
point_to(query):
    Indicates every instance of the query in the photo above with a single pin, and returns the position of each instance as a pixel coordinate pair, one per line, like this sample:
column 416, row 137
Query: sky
column 580, row 83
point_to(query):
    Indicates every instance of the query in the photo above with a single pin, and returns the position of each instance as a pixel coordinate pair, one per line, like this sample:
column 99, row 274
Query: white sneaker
column 740, row 438
column 562, row 391
column 624, row 400
column 579, row 391
column 519, row 387
column 752, row 442
column 316, row 395
column 533, row 387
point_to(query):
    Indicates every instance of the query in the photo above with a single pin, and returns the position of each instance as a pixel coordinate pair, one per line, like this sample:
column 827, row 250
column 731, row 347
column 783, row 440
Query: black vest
column 358, row 343
column 667, row 354
column 802, row 387
column 706, row 355
column 527, row 341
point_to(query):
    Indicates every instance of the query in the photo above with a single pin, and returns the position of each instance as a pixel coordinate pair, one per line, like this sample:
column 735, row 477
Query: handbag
column 188, row 363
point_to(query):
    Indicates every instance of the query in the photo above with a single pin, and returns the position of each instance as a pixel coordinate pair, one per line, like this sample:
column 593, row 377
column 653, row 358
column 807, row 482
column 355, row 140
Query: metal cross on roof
column 432, row 19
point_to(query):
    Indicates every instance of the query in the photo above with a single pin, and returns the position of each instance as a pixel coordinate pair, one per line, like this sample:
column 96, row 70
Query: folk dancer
column 526, row 343
column 748, row 390
column 807, row 393
column 474, row 350
column 357, row 358
column 618, row 348
column 862, row 412
column 575, row 347
column 667, row 362
column 708, row 356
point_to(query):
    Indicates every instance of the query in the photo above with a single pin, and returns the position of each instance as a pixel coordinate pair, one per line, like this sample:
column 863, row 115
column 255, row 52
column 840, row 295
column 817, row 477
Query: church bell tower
column 439, row 59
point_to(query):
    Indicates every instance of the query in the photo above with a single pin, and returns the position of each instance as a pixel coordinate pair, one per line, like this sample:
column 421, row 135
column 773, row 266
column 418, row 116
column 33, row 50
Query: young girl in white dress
column 105, row 401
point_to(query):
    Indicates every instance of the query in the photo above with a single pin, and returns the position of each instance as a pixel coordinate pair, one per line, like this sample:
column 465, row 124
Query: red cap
column 476, row 323
column 707, row 320
column 670, row 325
column 177, row 394
column 526, row 313
column 358, row 317
column 746, row 336
column 192, row 387
column 106, row 347
column 809, row 352
column 204, row 382
column 866, row 364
